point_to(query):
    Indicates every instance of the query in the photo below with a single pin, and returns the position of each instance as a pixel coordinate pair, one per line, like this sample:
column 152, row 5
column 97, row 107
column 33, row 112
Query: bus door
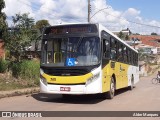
column 105, row 62
column 115, row 64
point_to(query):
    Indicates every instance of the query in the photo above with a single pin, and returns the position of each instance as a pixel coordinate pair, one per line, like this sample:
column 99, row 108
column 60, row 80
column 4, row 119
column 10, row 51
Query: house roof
column 151, row 40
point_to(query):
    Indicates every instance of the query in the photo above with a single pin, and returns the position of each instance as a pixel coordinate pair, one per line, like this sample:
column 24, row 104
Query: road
column 144, row 97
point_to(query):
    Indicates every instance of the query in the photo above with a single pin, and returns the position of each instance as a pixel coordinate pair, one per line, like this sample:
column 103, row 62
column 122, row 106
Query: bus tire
column 132, row 83
column 110, row 94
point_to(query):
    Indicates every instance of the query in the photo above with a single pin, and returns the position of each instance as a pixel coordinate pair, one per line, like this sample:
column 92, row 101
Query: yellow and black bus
column 86, row 59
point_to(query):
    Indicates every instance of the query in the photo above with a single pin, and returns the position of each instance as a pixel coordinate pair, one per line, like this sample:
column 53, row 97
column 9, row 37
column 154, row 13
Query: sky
column 140, row 16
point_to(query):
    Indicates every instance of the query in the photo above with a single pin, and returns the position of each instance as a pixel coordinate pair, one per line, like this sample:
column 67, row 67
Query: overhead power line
column 130, row 20
column 99, row 10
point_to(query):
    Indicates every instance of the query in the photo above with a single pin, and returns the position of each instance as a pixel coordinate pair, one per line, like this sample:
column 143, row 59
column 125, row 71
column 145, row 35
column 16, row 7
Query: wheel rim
column 112, row 88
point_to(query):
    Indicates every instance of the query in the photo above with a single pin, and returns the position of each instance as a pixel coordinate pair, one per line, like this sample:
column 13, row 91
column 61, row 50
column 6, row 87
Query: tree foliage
column 126, row 37
column 154, row 33
column 3, row 24
column 20, row 36
column 41, row 24
column 121, row 35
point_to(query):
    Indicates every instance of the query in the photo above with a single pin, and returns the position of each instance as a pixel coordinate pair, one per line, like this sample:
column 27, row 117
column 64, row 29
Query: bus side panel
column 133, row 71
column 124, row 72
column 106, row 78
column 112, row 69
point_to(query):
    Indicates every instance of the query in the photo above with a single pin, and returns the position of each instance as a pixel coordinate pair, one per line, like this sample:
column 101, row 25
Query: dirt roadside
column 18, row 92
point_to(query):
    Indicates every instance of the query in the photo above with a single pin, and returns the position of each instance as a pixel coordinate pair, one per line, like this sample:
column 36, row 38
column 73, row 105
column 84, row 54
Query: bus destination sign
column 72, row 29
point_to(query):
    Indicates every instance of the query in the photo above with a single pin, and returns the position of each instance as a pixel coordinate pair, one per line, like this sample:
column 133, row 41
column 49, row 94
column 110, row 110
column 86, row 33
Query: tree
column 20, row 36
column 121, row 35
column 23, row 21
column 3, row 24
column 41, row 24
column 126, row 37
column 154, row 33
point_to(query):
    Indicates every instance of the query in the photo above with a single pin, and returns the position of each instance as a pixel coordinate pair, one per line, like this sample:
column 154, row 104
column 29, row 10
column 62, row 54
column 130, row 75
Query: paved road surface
column 145, row 97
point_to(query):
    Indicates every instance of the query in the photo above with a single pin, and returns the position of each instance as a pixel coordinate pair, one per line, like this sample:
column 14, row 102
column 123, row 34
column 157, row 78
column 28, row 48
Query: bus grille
column 65, row 72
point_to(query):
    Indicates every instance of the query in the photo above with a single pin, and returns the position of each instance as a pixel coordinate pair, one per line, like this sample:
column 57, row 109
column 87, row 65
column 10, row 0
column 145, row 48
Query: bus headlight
column 43, row 79
column 93, row 78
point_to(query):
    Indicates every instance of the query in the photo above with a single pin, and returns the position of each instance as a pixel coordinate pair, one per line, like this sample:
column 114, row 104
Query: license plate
column 65, row 89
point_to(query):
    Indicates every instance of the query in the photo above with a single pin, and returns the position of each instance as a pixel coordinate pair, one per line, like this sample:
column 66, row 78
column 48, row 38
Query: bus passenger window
column 120, row 53
column 125, row 55
column 106, row 49
column 113, row 49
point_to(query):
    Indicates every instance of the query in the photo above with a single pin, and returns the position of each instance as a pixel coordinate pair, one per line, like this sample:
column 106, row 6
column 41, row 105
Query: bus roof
column 101, row 27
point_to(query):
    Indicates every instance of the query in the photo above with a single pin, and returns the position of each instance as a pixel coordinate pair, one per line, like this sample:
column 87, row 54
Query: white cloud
column 18, row 6
column 69, row 11
column 132, row 12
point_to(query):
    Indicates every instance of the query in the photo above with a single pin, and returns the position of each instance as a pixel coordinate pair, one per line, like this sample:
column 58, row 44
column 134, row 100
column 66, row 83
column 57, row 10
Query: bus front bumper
column 92, row 88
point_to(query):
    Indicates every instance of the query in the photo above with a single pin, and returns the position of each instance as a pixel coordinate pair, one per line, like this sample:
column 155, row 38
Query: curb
column 19, row 92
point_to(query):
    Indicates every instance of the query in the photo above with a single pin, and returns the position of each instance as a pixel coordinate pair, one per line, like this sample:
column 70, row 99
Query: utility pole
column 89, row 10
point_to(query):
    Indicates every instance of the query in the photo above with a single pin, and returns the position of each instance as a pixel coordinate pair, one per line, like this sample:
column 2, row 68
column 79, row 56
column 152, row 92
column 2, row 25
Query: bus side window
column 125, row 55
column 113, row 49
column 106, row 48
column 120, row 53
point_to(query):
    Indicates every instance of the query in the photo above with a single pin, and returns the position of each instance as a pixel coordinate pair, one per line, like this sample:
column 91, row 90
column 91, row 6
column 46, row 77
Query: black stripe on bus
column 67, row 84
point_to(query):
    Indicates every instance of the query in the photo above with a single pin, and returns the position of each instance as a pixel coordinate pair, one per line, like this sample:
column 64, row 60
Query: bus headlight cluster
column 93, row 78
column 43, row 79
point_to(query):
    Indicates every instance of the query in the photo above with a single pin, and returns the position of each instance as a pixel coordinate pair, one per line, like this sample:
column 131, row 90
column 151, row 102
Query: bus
column 79, row 59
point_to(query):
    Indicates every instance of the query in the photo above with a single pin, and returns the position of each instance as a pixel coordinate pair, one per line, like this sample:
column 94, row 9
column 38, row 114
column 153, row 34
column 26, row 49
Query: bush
column 27, row 70
column 3, row 65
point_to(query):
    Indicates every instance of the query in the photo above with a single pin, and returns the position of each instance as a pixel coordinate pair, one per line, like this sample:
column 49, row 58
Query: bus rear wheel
column 110, row 94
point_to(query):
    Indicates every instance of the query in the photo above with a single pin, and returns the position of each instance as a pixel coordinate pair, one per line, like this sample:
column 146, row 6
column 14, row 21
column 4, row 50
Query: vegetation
column 41, row 24
column 3, row 24
column 20, row 36
column 154, row 33
column 121, row 35
column 26, row 70
column 22, row 74
column 126, row 37
column 16, row 71
column 3, row 65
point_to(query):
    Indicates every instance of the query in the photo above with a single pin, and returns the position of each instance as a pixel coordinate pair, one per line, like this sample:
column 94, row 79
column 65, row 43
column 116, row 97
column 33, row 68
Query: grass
column 21, row 75
column 11, row 83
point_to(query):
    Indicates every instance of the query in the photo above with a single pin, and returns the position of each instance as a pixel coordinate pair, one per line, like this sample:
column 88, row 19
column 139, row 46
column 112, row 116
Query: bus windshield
column 71, row 51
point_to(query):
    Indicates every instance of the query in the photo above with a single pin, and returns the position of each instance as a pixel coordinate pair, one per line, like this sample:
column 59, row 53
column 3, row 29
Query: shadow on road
column 73, row 99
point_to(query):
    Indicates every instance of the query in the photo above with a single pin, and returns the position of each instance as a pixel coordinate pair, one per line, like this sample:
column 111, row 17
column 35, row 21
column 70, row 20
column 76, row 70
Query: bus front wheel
column 110, row 94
